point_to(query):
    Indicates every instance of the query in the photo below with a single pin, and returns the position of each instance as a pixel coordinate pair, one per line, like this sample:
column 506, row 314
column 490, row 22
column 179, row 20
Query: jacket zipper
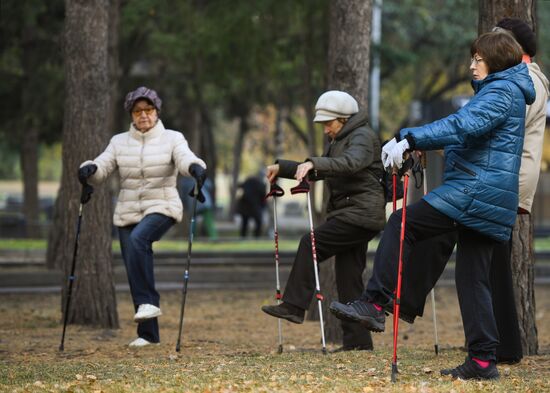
column 464, row 169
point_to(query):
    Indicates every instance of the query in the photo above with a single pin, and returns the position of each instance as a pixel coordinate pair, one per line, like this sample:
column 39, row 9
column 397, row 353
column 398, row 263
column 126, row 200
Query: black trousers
column 427, row 262
column 472, row 273
column 349, row 244
column 257, row 217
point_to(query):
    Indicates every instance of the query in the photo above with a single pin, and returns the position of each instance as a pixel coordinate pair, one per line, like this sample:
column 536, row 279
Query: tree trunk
column 348, row 70
column 523, row 277
column 490, row 12
column 114, row 65
column 85, row 135
column 29, row 167
column 349, row 48
column 237, row 153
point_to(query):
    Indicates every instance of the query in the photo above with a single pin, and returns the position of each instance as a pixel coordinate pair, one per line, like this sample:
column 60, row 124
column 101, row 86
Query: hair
column 499, row 50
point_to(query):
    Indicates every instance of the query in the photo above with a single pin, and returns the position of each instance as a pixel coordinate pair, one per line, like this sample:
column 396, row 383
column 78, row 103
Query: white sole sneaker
column 147, row 311
column 140, row 343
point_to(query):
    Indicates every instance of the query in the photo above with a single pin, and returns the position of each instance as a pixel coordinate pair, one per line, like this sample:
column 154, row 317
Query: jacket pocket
column 462, row 168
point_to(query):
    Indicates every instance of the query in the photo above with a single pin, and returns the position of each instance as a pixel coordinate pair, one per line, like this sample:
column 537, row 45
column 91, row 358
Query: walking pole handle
column 301, row 188
column 275, row 191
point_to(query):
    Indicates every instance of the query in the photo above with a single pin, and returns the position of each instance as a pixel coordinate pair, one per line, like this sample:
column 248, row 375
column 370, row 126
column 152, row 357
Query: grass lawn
column 541, row 244
column 229, row 345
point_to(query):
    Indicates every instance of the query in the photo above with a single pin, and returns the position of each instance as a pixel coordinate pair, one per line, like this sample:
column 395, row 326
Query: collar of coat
column 518, row 74
column 152, row 133
column 355, row 121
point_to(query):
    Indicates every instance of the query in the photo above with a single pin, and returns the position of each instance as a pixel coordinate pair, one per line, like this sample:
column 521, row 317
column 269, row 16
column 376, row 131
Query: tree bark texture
column 30, row 132
column 349, row 48
column 348, row 70
column 490, row 12
column 237, row 153
column 523, row 266
column 29, row 167
column 85, row 135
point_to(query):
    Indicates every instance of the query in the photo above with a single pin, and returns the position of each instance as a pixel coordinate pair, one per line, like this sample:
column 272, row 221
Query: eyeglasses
column 148, row 111
column 476, row 61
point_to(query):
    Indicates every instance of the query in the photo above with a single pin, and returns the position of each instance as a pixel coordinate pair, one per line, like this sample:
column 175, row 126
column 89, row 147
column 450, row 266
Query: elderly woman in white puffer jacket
column 148, row 158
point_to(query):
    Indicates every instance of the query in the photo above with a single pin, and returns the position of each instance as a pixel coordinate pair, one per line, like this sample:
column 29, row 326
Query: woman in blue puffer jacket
column 479, row 197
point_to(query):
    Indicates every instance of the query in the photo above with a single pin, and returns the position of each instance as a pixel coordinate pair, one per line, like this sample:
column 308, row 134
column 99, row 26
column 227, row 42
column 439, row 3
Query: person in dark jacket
column 478, row 199
column 251, row 204
column 351, row 167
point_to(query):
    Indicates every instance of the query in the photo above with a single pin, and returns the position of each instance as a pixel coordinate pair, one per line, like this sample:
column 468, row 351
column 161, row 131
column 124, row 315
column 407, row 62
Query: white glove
column 395, row 156
column 386, row 150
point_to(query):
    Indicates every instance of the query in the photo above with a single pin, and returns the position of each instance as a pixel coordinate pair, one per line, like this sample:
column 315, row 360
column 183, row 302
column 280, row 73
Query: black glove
column 199, row 173
column 85, row 172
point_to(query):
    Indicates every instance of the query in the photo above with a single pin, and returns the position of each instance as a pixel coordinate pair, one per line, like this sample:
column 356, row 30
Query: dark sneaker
column 360, row 311
column 346, row 348
column 471, row 370
column 286, row 311
column 404, row 317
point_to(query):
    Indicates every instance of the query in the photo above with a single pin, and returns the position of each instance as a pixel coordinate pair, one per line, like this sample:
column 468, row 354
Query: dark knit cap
column 522, row 32
column 142, row 93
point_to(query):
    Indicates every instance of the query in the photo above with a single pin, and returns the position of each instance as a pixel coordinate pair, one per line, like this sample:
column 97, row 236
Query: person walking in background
column 251, row 204
column 351, row 168
column 205, row 208
column 147, row 158
column 478, row 199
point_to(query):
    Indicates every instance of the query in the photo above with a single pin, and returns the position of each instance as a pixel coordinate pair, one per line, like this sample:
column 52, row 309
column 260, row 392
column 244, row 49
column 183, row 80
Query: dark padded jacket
column 351, row 167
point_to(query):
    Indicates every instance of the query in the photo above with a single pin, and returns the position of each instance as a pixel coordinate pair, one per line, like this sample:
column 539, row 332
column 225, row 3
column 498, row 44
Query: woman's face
column 144, row 115
column 332, row 127
column 479, row 68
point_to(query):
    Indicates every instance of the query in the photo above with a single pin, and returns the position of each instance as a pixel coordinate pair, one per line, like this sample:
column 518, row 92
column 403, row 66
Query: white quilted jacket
column 147, row 164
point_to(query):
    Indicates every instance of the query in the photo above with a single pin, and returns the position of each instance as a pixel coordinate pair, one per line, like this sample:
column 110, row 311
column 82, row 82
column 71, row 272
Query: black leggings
column 474, row 254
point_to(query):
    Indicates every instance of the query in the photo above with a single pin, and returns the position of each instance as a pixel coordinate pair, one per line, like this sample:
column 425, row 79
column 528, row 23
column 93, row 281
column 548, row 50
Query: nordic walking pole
column 186, row 273
column 84, row 198
column 276, row 191
column 424, row 164
column 397, row 298
column 300, row 188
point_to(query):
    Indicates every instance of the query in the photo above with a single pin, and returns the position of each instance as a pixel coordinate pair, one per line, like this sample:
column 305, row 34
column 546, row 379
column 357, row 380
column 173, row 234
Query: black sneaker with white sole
column 471, row 370
column 360, row 311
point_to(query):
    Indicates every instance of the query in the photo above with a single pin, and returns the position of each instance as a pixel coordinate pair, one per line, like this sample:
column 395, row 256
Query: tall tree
column 348, row 70
column 85, row 135
column 523, row 261
column 30, row 67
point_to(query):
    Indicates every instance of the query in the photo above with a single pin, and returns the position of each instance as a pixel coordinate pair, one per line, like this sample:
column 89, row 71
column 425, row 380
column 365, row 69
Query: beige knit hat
column 335, row 104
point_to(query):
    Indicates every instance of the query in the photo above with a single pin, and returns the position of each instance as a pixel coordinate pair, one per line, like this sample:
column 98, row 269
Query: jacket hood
column 357, row 120
column 519, row 75
column 535, row 69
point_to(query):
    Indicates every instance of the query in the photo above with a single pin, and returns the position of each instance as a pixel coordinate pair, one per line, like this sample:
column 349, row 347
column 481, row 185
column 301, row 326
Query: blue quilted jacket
column 483, row 143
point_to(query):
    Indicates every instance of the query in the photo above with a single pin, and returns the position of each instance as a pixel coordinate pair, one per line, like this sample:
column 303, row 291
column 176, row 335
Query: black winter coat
column 351, row 167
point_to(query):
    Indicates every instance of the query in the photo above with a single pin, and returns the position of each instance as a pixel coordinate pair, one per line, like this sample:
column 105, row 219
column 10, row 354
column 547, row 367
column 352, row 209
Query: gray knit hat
column 335, row 104
column 139, row 93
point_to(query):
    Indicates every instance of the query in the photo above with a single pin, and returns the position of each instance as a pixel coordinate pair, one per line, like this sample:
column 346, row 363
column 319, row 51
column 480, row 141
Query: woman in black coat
column 351, row 167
